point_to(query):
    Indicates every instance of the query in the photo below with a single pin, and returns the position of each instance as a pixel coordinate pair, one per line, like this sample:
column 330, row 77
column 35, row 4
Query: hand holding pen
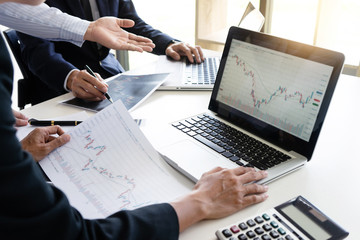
column 86, row 86
column 88, row 69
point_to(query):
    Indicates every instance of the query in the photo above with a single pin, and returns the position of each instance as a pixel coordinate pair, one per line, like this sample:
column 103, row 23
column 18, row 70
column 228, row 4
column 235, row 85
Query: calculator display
column 310, row 220
column 308, row 224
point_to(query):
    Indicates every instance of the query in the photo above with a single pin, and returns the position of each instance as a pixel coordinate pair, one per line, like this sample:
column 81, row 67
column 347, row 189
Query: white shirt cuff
column 66, row 79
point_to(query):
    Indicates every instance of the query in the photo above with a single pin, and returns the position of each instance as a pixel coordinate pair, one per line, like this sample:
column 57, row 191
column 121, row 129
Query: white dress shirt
column 44, row 22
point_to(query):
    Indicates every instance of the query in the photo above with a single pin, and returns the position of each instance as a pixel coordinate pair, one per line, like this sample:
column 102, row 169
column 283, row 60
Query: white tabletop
column 329, row 180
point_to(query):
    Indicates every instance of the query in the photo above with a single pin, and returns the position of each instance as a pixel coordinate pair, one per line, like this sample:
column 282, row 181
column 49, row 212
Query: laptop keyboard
column 231, row 143
column 203, row 73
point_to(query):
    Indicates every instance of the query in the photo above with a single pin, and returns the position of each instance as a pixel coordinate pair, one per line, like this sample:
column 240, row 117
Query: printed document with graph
column 266, row 110
column 109, row 165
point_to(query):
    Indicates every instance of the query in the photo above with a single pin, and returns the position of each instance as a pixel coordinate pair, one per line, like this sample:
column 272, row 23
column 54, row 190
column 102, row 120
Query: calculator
column 294, row 219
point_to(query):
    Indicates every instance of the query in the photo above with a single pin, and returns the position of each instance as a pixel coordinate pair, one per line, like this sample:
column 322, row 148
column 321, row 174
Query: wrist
column 70, row 78
column 190, row 209
column 88, row 33
column 172, row 42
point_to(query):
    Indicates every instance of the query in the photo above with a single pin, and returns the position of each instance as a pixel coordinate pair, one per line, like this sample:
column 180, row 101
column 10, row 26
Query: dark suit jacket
column 52, row 61
column 32, row 209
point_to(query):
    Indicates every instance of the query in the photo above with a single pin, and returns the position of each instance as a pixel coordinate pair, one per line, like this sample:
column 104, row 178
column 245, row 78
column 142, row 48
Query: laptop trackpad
column 194, row 158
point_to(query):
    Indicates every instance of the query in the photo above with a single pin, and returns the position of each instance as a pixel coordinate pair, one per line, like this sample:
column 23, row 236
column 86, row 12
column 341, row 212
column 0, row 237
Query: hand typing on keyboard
column 178, row 49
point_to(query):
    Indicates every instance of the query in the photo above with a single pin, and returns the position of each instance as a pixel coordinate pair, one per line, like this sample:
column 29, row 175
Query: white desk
column 330, row 180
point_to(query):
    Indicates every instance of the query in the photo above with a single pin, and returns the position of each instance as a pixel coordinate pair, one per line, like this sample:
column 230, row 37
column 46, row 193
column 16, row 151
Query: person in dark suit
column 41, row 55
column 32, row 209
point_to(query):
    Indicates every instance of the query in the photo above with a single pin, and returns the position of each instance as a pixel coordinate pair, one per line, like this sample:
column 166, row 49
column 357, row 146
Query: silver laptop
column 187, row 76
column 266, row 110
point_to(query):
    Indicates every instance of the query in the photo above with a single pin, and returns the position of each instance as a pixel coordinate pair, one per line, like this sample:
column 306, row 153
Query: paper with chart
column 109, row 166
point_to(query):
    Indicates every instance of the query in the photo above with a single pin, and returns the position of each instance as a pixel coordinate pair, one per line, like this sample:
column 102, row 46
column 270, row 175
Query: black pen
column 35, row 122
column 88, row 69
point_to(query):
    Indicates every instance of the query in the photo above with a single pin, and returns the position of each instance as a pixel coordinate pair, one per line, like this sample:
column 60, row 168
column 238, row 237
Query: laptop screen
column 282, row 90
column 277, row 89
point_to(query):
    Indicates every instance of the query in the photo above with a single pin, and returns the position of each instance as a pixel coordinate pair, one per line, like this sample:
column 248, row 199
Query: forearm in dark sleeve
column 44, row 62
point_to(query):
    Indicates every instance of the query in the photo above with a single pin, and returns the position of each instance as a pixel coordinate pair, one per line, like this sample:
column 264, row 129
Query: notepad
column 109, row 165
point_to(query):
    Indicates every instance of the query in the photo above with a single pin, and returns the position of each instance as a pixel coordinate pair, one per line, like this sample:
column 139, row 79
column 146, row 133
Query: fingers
column 217, row 169
column 139, row 43
column 54, row 130
column 254, row 193
column 40, row 142
column 255, row 188
column 173, row 54
column 177, row 50
column 255, row 198
column 20, row 119
column 18, row 114
column 55, row 142
column 251, row 175
column 125, row 23
column 87, row 87
column 59, row 141
column 196, row 53
column 141, row 40
column 20, row 122
column 241, row 170
column 90, row 82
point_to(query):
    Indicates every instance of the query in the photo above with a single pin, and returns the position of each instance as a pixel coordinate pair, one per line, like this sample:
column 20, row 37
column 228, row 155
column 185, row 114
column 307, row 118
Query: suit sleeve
column 161, row 40
column 31, row 209
column 42, row 60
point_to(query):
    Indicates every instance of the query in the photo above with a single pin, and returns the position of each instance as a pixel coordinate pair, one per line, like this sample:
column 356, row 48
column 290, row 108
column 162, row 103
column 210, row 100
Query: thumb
column 125, row 23
column 59, row 141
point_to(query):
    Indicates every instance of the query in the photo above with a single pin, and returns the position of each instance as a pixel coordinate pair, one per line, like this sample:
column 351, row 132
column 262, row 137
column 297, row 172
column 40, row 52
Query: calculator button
column 288, row 237
column 266, row 217
column 227, row 233
column 243, row 226
column 242, row 237
column 235, row 229
column 259, row 231
column 259, row 219
column 281, row 231
column 274, row 234
column 267, row 227
column 250, row 234
column 251, row 223
column 274, row 224
column 266, row 237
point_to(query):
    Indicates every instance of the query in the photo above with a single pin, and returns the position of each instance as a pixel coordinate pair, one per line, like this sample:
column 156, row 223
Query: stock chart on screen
column 282, row 90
